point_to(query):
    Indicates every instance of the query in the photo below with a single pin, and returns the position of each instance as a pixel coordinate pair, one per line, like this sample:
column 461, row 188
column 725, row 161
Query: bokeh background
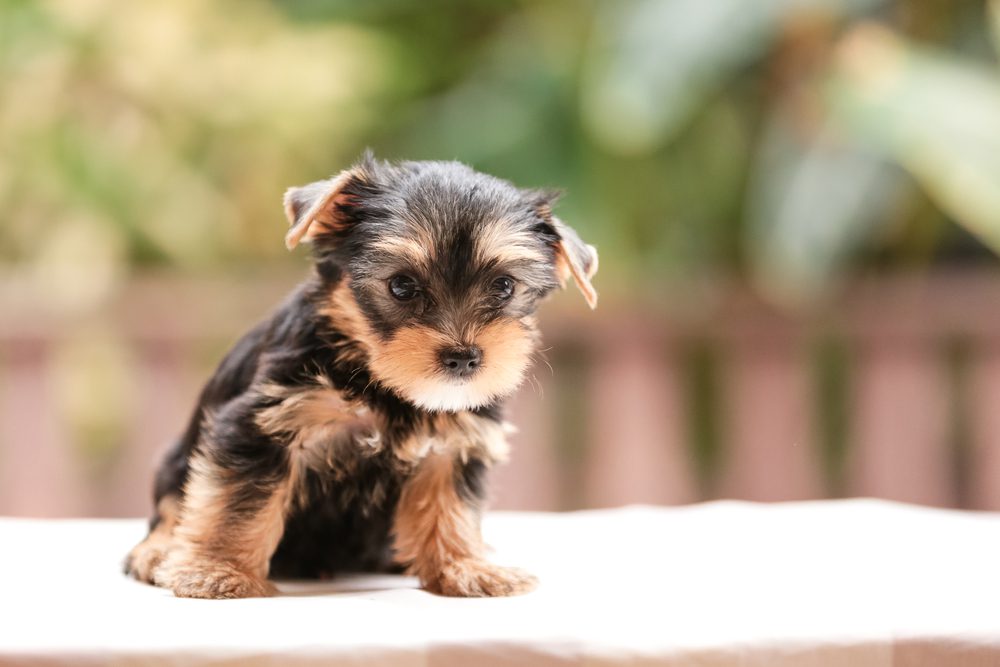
column 796, row 204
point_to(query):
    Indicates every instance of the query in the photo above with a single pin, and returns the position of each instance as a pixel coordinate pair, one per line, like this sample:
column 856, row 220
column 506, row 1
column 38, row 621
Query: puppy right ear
column 314, row 209
column 573, row 257
column 576, row 258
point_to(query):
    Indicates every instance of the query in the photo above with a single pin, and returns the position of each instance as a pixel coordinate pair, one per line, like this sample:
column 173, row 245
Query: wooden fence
column 890, row 390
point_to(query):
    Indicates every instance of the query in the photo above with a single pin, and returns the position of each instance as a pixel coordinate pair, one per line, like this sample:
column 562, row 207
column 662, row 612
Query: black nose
column 461, row 361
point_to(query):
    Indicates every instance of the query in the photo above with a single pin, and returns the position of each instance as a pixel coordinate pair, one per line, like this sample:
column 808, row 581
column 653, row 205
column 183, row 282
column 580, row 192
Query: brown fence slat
column 771, row 453
column 636, row 450
column 899, row 437
column 610, row 428
column 984, row 411
column 530, row 479
column 39, row 475
column 166, row 394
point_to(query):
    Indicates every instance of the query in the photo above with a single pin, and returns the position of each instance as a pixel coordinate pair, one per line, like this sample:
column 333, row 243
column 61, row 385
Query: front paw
column 211, row 581
column 478, row 579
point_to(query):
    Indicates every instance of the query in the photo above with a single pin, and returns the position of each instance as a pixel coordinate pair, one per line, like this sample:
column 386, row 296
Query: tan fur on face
column 437, row 536
column 496, row 242
column 148, row 554
column 507, row 347
column 215, row 555
column 345, row 315
column 409, row 363
column 415, row 251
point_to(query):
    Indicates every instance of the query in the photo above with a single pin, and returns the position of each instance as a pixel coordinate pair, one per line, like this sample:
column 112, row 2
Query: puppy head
column 444, row 268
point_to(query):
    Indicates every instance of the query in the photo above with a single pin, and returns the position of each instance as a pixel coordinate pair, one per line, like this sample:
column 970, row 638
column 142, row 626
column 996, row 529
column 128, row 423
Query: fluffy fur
column 335, row 436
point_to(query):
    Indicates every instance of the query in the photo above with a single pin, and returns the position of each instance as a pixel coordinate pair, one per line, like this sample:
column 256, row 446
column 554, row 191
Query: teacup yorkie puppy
column 353, row 429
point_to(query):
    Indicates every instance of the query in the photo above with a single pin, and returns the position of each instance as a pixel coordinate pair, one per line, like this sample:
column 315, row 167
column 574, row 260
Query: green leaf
column 811, row 203
column 655, row 62
column 993, row 8
column 935, row 115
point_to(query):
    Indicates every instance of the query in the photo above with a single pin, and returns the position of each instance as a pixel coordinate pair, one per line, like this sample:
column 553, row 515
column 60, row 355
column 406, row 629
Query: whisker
column 540, row 354
column 539, row 389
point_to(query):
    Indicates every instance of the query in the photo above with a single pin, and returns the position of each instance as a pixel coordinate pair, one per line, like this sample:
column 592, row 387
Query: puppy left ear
column 314, row 209
column 573, row 256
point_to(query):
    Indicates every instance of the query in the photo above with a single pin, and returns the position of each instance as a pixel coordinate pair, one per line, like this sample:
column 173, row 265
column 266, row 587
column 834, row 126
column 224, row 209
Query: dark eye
column 503, row 288
column 403, row 287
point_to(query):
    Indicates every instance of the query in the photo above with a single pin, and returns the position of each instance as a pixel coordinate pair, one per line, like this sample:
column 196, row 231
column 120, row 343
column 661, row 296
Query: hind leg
column 230, row 523
column 146, row 556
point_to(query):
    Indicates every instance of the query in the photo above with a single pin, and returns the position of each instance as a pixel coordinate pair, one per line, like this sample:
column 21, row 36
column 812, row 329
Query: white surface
column 852, row 583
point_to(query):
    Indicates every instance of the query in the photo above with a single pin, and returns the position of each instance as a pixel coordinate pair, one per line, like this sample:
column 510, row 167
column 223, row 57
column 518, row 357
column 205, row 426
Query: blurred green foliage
column 787, row 141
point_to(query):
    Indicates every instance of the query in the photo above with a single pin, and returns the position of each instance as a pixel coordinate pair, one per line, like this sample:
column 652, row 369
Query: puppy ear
column 573, row 256
column 313, row 209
